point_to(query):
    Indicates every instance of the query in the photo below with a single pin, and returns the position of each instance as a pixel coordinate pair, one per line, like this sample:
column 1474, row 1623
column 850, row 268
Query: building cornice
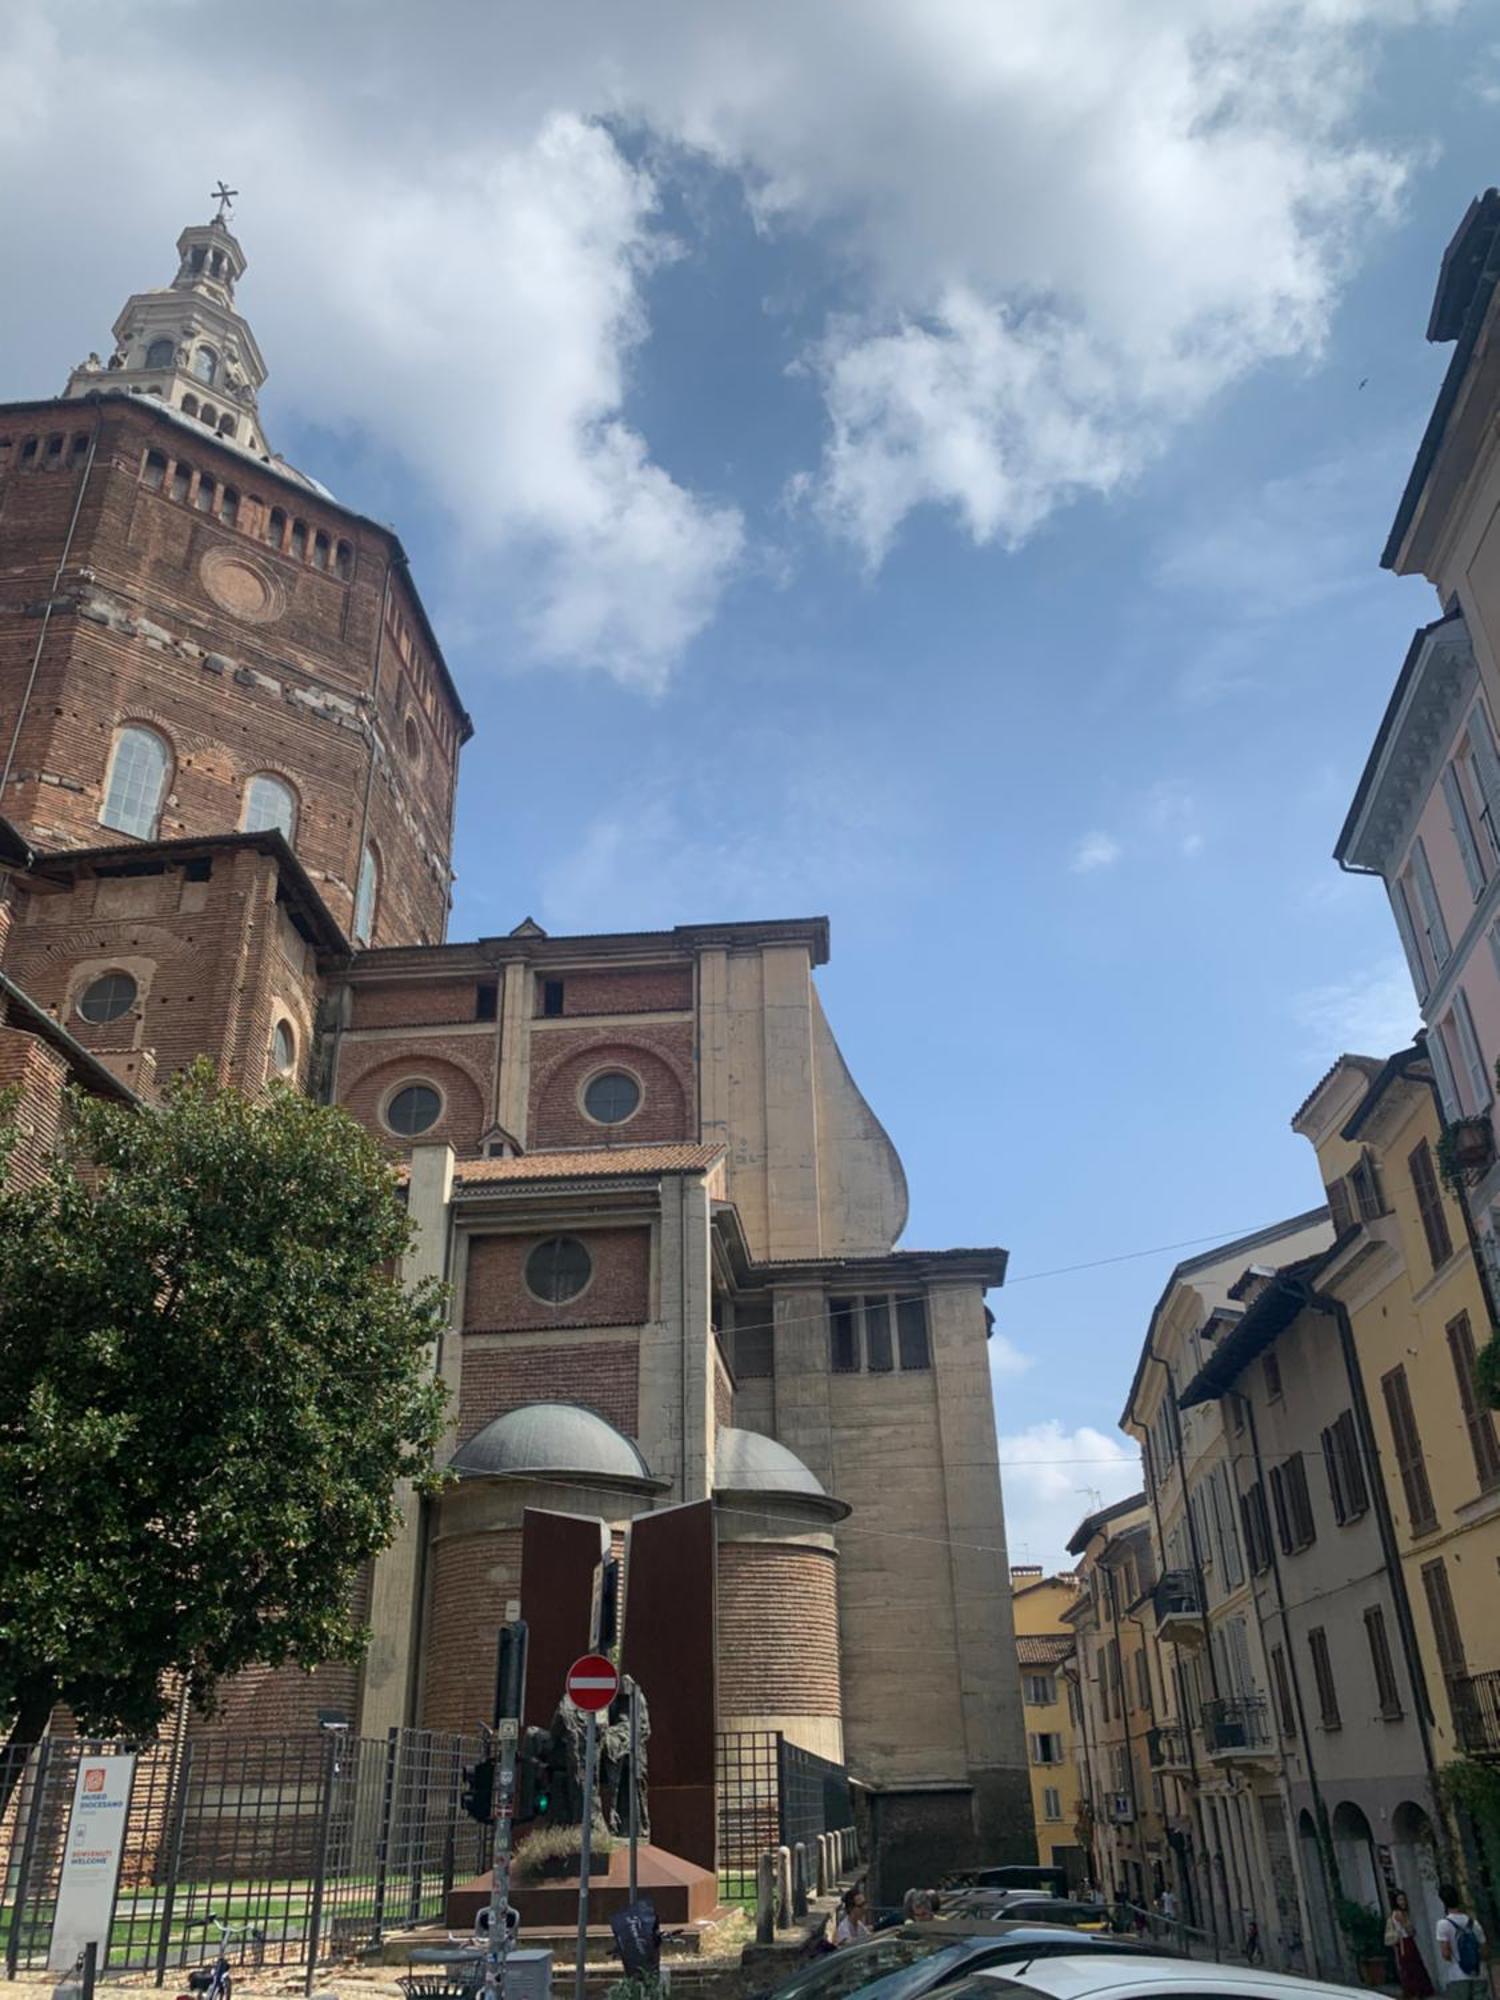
column 1438, row 679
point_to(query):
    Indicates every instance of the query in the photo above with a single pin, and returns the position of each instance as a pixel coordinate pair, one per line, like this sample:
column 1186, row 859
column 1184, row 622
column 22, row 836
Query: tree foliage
column 211, row 1383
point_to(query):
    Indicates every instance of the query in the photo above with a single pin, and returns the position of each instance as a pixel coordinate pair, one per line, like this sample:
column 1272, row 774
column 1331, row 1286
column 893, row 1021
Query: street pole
column 585, row 1851
column 635, row 1781
column 510, row 1690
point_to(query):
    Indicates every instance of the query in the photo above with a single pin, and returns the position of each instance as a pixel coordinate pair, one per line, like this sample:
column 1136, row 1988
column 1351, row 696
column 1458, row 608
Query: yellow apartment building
column 1044, row 1645
column 1419, row 1315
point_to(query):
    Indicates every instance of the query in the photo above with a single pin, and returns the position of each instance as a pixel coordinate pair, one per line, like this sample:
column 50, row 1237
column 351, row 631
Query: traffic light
column 609, row 1606
column 533, row 1777
column 510, row 1672
column 478, row 1795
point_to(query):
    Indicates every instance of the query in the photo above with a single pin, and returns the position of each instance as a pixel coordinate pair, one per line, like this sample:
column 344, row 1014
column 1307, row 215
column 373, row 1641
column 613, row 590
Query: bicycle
column 216, row 1982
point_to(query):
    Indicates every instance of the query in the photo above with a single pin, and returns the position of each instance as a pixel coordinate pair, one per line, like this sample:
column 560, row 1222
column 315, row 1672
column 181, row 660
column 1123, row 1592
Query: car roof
column 1073, row 1975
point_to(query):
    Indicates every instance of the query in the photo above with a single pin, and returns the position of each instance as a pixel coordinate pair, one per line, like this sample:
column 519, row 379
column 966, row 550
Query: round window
column 414, row 1107
column 108, row 998
column 558, row 1269
column 611, row 1097
column 283, row 1048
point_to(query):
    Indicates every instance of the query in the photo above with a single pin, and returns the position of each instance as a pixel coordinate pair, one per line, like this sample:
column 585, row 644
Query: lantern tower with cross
column 187, row 343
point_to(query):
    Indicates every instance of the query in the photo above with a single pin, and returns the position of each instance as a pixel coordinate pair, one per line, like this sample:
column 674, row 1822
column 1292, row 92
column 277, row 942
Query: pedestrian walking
column 1401, row 1942
column 1461, row 1949
column 853, row 1925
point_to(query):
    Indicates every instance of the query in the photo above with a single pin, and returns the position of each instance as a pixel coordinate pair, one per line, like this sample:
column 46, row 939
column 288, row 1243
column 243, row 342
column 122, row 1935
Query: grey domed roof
column 542, row 1438
column 746, row 1462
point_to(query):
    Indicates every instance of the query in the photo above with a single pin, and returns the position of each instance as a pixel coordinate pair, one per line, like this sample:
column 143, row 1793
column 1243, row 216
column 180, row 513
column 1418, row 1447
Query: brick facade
column 417, row 1003
column 457, row 1066
column 659, row 1056
column 244, row 655
column 471, row 1579
column 618, row 1294
column 627, row 989
column 602, row 1375
column 37, row 1076
column 778, row 1630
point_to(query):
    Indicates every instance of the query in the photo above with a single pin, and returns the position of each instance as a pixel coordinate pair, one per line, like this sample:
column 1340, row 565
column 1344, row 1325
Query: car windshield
column 892, row 1967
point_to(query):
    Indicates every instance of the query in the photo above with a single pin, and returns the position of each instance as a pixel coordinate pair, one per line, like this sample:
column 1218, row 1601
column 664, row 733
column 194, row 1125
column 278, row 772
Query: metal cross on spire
column 224, row 196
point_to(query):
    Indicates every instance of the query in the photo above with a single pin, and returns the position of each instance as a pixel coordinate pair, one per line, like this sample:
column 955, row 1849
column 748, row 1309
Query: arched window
column 190, row 406
column 137, row 782
column 227, row 426
column 366, row 895
column 203, row 499
column 276, row 527
column 343, row 561
column 299, row 540
column 155, row 471
column 206, row 364
column 283, row 1049
column 320, row 550
column 209, row 415
column 269, row 802
column 182, row 478
column 160, row 354
column 229, row 507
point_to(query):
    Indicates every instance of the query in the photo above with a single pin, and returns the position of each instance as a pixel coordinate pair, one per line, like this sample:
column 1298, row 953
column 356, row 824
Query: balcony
column 1167, row 1748
column 1178, row 1608
column 1476, row 1713
column 1119, row 1809
column 1235, row 1726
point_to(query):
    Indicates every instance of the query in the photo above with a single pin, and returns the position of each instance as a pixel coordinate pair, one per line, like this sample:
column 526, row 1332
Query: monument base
column 682, row 1892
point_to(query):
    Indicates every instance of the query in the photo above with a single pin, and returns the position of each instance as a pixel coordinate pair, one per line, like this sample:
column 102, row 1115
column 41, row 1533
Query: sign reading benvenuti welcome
column 91, row 1859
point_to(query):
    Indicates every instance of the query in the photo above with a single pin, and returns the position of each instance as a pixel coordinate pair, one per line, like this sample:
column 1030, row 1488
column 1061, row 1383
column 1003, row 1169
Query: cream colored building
column 1045, row 1649
column 1215, row 1751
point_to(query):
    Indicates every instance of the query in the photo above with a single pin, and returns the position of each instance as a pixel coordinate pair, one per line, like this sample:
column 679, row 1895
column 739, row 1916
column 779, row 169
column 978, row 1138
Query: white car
column 1141, row 1976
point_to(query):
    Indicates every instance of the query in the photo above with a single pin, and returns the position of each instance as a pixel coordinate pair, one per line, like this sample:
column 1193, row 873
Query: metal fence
column 310, row 1846
column 772, row 1793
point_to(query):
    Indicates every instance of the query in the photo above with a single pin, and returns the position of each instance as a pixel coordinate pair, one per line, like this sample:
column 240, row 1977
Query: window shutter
column 1328, row 1700
column 1430, row 1204
column 1346, row 1445
column 1486, row 773
column 1279, row 1507
column 1442, row 1069
column 1409, row 1460
column 1340, row 1207
column 1463, row 833
column 1335, row 1483
column 1380, row 1659
column 1432, row 909
column 1477, row 1418
column 1468, row 1042
column 1450, row 1643
column 1402, row 912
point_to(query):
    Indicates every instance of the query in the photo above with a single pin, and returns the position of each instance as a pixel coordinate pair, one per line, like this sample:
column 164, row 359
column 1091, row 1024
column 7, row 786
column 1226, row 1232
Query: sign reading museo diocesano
column 91, row 1860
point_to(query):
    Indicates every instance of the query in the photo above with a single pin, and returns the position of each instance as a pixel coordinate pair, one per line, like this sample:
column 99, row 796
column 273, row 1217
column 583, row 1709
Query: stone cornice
column 1439, row 678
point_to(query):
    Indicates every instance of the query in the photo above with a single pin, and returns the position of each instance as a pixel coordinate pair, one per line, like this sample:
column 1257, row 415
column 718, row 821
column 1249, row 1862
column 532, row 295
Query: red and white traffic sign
column 592, row 1683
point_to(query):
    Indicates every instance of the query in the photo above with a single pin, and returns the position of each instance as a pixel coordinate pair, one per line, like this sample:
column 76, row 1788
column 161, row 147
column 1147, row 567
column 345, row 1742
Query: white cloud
column 1007, row 1361
column 1172, row 815
column 1055, row 231
column 1372, row 1013
column 1095, row 850
column 1052, row 1478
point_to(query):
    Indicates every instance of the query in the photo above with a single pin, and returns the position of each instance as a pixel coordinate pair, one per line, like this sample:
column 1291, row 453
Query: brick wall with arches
column 568, row 1064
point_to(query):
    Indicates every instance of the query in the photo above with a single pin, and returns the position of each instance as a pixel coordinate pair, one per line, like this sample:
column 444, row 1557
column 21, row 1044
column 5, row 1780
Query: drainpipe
column 1304, row 1734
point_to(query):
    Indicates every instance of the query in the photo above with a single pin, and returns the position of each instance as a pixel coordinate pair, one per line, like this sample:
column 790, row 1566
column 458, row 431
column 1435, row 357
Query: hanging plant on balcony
column 1465, row 1151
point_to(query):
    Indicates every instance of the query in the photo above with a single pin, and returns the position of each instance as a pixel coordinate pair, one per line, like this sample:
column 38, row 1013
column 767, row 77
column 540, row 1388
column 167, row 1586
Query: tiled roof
column 1043, row 1649
column 598, row 1163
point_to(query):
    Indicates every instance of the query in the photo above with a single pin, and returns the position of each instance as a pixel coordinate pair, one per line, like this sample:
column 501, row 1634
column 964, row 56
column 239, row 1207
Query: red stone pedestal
column 682, row 1892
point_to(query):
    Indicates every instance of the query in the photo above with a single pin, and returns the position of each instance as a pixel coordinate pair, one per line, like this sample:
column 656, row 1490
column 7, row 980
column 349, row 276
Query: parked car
column 918, row 1958
column 1019, row 1906
column 1014, row 1875
column 1139, row 1975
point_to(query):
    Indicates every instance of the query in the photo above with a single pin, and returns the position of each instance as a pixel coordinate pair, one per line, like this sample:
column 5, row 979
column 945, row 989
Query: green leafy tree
column 211, row 1383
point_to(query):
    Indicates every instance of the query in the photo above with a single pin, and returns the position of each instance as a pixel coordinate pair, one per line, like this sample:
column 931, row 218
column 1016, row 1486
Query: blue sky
column 932, row 474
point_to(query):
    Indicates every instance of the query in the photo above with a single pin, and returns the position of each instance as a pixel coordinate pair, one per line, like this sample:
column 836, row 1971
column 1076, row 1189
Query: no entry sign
column 592, row 1683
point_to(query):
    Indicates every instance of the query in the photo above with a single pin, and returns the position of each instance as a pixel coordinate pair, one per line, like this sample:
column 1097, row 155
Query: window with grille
column 1410, row 1462
column 1478, row 1419
column 1387, row 1692
column 1424, row 1183
column 1347, row 1487
column 137, row 781
column 1328, row 1698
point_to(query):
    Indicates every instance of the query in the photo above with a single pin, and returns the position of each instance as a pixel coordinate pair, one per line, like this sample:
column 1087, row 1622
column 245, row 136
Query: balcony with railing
column 1236, row 1725
column 1476, row 1713
column 1178, row 1606
column 1167, row 1747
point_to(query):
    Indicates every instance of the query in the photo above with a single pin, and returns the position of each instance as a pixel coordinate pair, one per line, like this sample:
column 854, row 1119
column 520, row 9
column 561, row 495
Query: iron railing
column 1476, row 1712
column 772, row 1793
column 311, row 1846
column 1167, row 1747
column 1235, row 1722
column 1175, row 1595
